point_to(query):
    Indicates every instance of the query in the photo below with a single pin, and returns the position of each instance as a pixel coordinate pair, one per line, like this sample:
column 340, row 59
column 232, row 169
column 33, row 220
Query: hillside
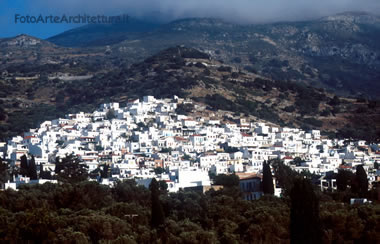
column 103, row 34
column 187, row 72
column 340, row 53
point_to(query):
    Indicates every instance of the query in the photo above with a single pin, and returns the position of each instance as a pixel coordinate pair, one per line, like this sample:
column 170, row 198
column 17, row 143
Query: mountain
column 103, row 34
column 189, row 73
column 25, row 56
column 340, row 52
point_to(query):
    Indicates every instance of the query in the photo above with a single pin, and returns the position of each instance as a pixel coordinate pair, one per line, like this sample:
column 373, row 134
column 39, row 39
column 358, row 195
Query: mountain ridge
column 332, row 54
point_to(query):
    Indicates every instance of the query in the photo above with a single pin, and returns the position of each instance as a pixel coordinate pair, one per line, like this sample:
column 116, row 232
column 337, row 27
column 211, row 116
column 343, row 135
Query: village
column 148, row 139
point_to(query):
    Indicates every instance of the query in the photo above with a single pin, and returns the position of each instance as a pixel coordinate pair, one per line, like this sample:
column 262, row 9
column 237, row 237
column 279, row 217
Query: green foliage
column 227, row 180
column 361, row 181
column 166, row 150
column 4, row 172
column 343, row 179
column 110, row 114
column 217, row 101
column 88, row 212
column 225, row 69
column 44, row 174
column 297, row 161
column 313, row 122
column 228, row 149
column 290, row 109
column 335, row 101
column 32, row 169
column 158, row 170
column 285, row 176
column 158, row 216
column 71, row 169
column 305, row 224
column 24, row 165
column 184, row 108
column 268, row 187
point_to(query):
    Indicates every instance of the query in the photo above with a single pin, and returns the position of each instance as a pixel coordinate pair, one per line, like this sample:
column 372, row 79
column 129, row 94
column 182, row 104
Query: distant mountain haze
column 243, row 11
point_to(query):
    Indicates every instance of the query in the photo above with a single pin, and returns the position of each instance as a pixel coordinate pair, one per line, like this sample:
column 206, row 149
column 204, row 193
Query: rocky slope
column 340, row 52
column 189, row 73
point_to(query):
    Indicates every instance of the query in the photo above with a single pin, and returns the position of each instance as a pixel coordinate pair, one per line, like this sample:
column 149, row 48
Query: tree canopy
column 227, row 180
column 88, row 212
column 71, row 169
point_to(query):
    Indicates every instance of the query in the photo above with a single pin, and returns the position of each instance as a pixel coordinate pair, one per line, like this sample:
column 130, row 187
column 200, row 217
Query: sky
column 241, row 11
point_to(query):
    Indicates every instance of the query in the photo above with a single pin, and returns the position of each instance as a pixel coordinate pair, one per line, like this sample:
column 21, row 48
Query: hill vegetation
column 187, row 72
column 339, row 52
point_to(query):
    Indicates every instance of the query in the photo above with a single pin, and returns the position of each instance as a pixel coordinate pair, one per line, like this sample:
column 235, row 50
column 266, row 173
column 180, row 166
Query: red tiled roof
column 245, row 176
column 179, row 138
column 28, row 137
column 245, row 135
column 344, row 167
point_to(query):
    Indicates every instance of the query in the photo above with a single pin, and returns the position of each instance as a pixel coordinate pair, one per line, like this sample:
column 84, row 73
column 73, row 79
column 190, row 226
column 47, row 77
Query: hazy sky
column 247, row 11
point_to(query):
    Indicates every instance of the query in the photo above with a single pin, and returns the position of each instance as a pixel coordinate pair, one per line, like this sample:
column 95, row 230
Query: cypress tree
column 24, row 166
column 4, row 173
column 41, row 170
column 268, row 187
column 305, row 227
column 32, row 169
column 158, row 217
column 361, row 181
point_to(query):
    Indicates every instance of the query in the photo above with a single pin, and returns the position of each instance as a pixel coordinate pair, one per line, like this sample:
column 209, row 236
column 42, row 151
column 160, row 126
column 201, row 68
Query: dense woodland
column 81, row 211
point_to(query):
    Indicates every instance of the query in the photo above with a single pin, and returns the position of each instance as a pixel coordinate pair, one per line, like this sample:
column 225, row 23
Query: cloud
column 239, row 10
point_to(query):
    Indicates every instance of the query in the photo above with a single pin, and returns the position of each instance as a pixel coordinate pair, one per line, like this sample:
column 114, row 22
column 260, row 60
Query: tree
column 163, row 186
column 297, row 161
column 304, row 213
column 158, row 217
column 32, row 169
column 284, row 175
column 105, row 173
column 4, row 174
column 227, row 180
column 110, row 114
column 71, row 169
column 343, row 179
column 268, row 187
column 159, row 170
column 24, row 166
column 334, row 101
column 361, row 181
column 376, row 165
column 44, row 174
